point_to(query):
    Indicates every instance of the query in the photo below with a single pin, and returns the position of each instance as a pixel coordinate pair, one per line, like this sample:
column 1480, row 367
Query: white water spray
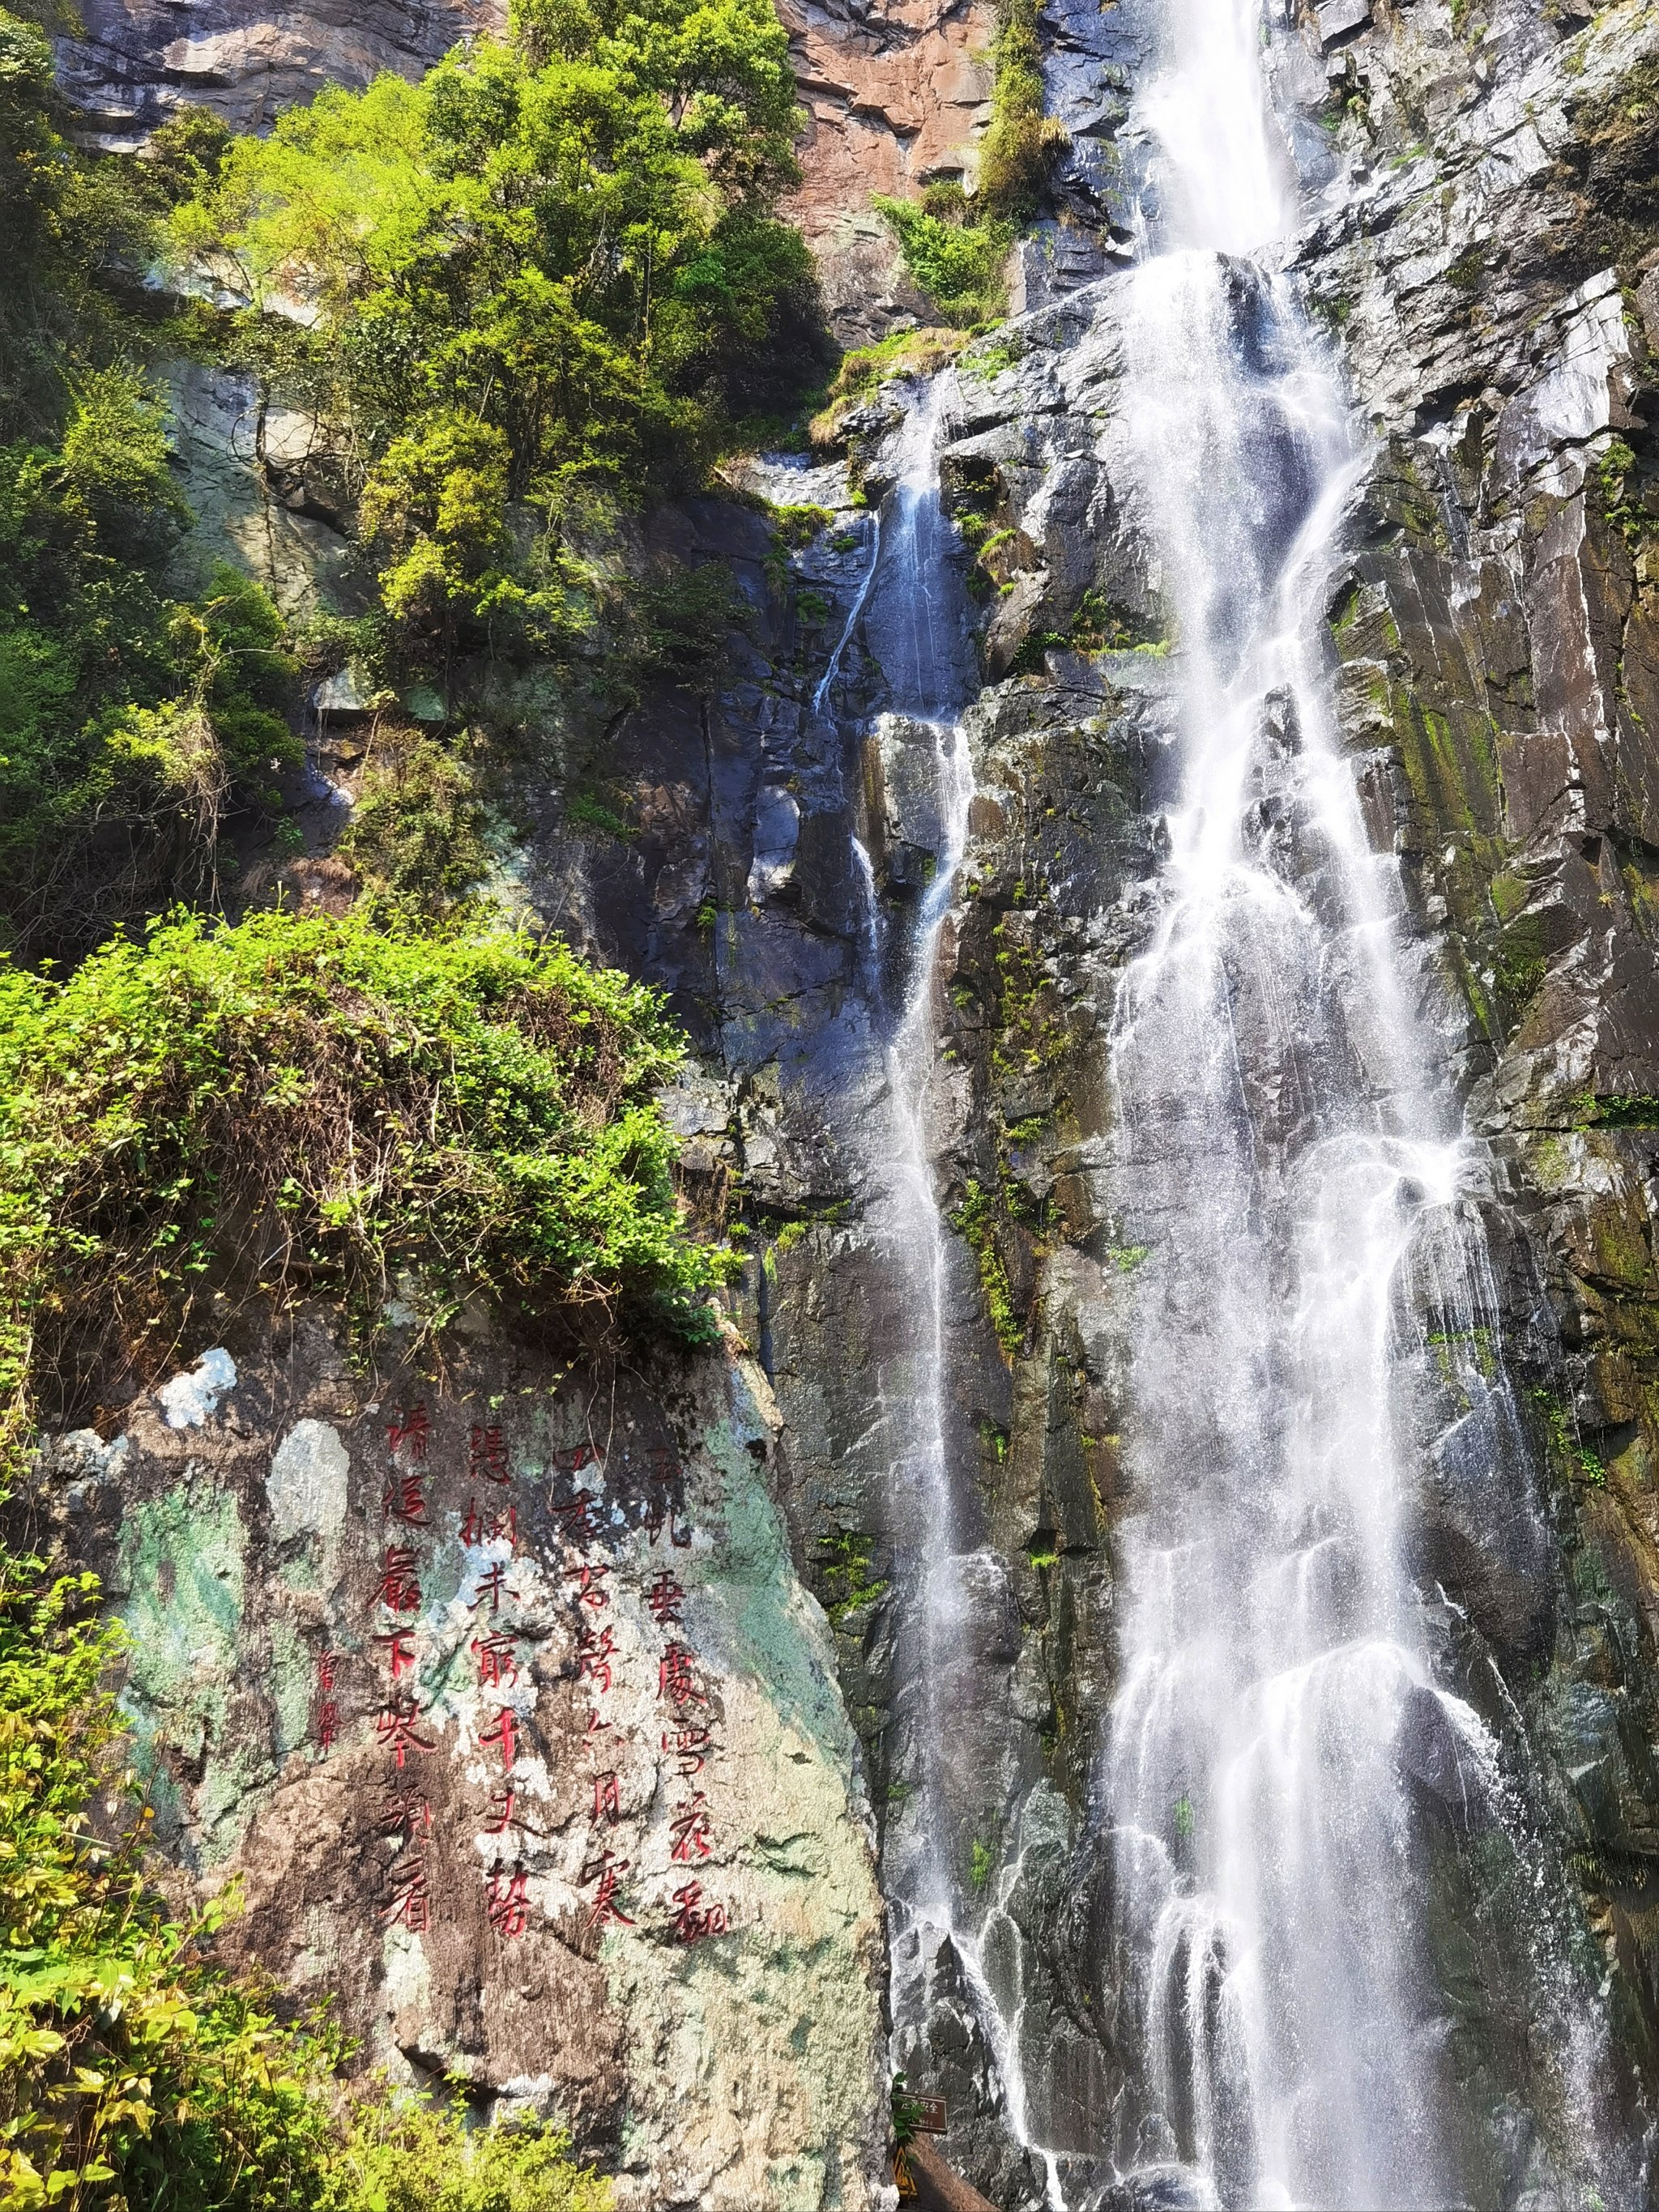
column 1281, row 1154
column 1309, row 1216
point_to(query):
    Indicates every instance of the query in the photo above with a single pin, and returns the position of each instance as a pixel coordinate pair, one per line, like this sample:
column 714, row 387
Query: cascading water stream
column 1310, row 1217
column 915, row 619
column 916, row 628
column 1280, row 1154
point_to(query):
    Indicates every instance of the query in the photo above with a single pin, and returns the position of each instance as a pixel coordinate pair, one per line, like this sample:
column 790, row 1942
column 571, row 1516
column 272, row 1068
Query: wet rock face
column 1494, row 647
column 1490, row 646
column 500, row 1695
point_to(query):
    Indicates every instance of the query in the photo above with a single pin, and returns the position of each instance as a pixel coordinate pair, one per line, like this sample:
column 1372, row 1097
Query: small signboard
column 931, row 2120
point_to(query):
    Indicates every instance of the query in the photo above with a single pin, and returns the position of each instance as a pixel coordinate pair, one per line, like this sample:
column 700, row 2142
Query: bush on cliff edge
column 303, row 1106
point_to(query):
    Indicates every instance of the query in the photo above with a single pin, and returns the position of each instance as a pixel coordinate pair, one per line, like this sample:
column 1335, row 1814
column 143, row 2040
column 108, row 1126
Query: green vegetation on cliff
column 542, row 282
column 957, row 262
column 134, row 2071
column 131, row 718
column 1021, row 141
column 306, row 1106
column 954, row 247
column 519, row 299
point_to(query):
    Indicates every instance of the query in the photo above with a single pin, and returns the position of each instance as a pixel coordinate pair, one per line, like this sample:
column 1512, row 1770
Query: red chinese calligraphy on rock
column 691, row 1746
column 498, row 1665
column 399, row 1591
column 408, row 1432
column 328, row 1712
column 501, row 1814
column 676, row 1680
column 489, row 1527
column 395, row 1726
column 590, row 1576
column 404, row 1498
column 571, row 1459
column 400, row 1650
column 595, row 1649
column 665, row 1599
column 412, row 1901
column 486, row 1453
column 690, row 1830
column 658, row 1516
column 607, row 1871
column 506, row 1904
column 692, row 1920
column 607, row 1801
column 492, row 1588
column 404, row 1811
column 577, row 1518
column 505, row 1733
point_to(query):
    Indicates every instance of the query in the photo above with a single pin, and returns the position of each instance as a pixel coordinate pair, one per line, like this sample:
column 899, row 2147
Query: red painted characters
column 486, row 1453
column 395, row 1726
column 693, row 1919
column 507, row 1903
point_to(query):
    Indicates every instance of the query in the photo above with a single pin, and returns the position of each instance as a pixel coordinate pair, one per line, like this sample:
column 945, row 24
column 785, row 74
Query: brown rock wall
column 893, row 97
column 497, row 1691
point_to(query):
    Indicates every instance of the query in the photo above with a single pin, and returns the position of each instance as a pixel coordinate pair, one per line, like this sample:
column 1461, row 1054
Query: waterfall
column 913, row 616
column 915, row 627
column 1282, row 1155
column 1286, row 1157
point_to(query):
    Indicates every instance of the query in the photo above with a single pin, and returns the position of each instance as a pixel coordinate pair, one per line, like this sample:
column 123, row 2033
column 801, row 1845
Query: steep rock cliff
column 130, row 64
column 1481, row 216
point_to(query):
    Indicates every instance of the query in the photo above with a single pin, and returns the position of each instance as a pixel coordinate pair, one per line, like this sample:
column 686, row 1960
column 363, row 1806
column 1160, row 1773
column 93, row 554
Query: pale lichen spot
column 190, row 1399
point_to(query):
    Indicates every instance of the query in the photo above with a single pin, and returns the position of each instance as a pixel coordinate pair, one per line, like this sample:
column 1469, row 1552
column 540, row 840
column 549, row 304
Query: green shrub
column 418, row 838
column 410, row 2156
column 65, row 220
column 1020, row 142
column 547, row 277
column 301, row 1106
column 131, row 721
column 956, row 259
column 976, row 1221
column 956, row 263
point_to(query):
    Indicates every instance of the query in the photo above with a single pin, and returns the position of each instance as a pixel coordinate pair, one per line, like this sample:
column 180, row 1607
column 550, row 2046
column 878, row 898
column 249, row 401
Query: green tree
column 130, row 721
column 550, row 275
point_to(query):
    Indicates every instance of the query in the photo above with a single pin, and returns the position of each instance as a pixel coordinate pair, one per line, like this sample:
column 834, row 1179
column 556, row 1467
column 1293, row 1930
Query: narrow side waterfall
column 1281, row 1157
column 916, row 627
column 915, row 620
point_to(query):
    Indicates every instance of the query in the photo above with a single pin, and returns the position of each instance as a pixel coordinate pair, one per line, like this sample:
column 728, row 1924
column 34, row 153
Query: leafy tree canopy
column 130, row 718
column 548, row 274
